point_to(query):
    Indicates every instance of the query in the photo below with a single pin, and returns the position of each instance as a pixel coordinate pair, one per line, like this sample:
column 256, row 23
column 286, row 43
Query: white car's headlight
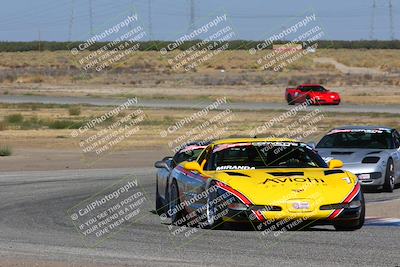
column 370, row 160
column 364, row 176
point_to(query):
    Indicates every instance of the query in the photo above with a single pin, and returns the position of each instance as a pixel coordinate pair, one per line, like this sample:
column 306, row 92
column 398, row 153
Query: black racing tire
column 290, row 100
column 159, row 203
column 173, row 202
column 353, row 225
column 389, row 184
column 213, row 220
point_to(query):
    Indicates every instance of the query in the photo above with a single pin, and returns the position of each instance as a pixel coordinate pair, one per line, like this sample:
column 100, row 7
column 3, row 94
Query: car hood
column 277, row 186
column 349, row 155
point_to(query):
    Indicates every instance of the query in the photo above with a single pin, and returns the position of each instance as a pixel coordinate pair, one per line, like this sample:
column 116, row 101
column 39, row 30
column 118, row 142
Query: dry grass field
column 234, row 74
column 383, row 59
column 50, row 126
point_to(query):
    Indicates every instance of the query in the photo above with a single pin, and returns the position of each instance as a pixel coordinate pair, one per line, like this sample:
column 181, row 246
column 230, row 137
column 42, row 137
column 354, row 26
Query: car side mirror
column 335, row 164
column 167, row 158
column 161, row 165
column 194, row 166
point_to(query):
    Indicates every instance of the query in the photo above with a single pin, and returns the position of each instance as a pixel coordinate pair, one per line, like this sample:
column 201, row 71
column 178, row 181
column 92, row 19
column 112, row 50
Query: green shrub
column 5, row 151
column 74, row 111
column 15, row 118
column 32, row 123
column 34, row 107
column 64, row 124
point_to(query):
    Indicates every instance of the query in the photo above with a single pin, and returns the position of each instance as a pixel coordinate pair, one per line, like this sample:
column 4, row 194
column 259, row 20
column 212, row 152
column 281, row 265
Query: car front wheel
column 174, row 211
column 213, row 210
column 290, row 100
column 389, row 177
column 159, row 202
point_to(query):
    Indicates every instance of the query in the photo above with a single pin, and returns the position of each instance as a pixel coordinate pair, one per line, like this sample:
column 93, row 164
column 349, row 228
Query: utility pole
column 71, row 21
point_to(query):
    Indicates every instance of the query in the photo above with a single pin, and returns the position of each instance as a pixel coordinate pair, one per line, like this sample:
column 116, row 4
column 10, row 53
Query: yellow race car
column 264, row 181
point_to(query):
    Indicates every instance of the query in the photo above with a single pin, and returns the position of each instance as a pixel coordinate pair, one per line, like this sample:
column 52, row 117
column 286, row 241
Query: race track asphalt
column 35, row 225
column 182, row 104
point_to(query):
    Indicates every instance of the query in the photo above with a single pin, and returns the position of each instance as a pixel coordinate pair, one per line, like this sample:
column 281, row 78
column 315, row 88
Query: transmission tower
column 192, row 16
column 371, row 33
column 71, row 21
column 150, row 21
column 391, row 20
column 39, row 39
column 91, row 16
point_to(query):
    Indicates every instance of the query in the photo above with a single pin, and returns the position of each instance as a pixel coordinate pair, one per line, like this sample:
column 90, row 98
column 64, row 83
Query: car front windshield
column 242, row 156
column 314, row 88
column 368, row 139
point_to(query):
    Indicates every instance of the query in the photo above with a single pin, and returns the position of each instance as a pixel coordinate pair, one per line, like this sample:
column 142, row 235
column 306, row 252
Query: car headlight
column 364, row 176
column 265, row 208
column 368, row 176
column 355, row 204
column 237, row 206
column 352, row 205
column 370, row 160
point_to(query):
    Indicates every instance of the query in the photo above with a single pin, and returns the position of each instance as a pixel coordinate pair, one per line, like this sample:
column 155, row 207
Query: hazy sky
column 21, row 20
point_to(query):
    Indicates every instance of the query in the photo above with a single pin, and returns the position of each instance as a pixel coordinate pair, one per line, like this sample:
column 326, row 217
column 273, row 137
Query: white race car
column 372, row 153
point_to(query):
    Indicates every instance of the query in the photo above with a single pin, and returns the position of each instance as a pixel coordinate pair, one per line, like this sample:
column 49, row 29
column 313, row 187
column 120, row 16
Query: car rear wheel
column 159, row 203
column 352, row 225
column 290, row 100
column 174, row 211
column 389, row 177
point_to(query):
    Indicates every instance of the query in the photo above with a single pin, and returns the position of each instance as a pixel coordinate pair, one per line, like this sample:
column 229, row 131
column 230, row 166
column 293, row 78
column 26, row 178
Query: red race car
column 313, row 94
